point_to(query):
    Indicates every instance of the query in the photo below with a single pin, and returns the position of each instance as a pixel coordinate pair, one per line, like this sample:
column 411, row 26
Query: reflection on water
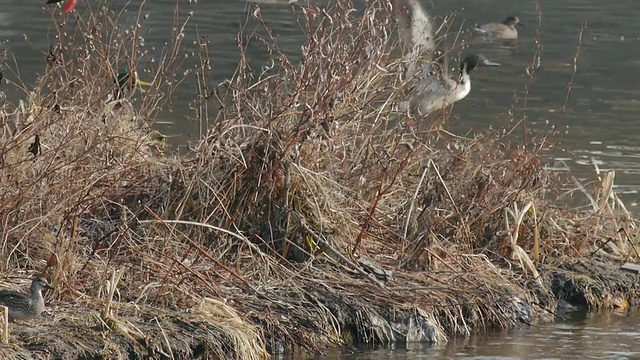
column 599, row 124
column 613, row 335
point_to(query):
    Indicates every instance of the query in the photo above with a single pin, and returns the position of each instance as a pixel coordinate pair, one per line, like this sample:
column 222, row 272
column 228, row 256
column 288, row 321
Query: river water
column 598, row 126
column 611, row 335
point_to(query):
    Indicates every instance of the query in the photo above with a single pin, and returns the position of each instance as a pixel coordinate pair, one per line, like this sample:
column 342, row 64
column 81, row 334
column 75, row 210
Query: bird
column 415, row 27
column 125, row 80
column 68, row 6
column 506, row 30
column 435, row 91
column 23, row 306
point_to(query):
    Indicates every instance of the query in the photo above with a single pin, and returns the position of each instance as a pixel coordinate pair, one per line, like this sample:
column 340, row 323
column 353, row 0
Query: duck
column 415, row 27
column 505, row 30
column 127, row 81
column 24, row 306
column 434, row 92
column 124, row 79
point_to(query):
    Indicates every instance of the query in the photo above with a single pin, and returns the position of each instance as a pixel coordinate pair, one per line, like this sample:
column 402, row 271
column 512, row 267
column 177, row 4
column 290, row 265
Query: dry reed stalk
column 5, row 325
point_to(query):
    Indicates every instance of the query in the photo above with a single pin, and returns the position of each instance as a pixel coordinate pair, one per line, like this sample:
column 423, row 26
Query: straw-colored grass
column 312, row 214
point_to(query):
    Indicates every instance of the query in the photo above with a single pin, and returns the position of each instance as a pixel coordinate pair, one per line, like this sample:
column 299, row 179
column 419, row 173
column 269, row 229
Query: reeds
column 253, row 240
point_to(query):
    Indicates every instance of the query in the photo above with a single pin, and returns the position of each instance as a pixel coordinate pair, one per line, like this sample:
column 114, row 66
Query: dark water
column 614, row 335
column 598, row 126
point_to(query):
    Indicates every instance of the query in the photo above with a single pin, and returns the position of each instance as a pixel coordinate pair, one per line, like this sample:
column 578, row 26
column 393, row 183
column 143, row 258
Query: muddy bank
column 320, row 312
column 593, row 283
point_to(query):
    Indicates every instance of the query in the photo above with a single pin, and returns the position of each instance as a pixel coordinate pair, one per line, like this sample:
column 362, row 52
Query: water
column 597, row 126
column 613, row 335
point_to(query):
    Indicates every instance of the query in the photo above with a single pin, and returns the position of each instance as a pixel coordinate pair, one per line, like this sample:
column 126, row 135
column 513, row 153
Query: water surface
column 612, row 335
column 596, row 123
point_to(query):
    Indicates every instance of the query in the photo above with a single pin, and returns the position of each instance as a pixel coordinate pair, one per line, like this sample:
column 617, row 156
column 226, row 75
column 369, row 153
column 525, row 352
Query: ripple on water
column 602, row 103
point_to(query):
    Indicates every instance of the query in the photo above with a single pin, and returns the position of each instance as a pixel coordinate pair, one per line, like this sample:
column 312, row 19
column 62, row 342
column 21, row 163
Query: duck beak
column 142, row 83
column 521, row 24
column 490, row 63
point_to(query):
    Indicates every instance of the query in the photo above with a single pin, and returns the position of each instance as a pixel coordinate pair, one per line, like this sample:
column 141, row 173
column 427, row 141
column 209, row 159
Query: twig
column 324, row 244
column 446, row 189
column 5, row 325
column 412, row 202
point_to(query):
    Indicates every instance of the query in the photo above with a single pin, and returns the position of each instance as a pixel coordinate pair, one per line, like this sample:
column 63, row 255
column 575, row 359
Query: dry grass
column 256, row 239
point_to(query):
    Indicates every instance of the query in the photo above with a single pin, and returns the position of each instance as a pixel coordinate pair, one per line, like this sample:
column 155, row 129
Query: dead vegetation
column 312, row 214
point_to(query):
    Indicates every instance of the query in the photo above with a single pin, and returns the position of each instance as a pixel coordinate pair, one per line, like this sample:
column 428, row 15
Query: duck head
column 512, row 21
column 473, row 61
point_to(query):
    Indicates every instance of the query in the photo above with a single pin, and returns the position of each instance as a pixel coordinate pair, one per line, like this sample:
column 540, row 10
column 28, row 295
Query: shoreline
column 213, row 329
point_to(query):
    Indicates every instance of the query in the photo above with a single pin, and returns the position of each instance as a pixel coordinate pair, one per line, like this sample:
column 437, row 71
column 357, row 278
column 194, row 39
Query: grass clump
column 312, row 213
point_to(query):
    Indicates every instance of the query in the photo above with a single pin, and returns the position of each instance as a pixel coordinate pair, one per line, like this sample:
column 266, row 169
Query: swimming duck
column 435, row 92
column 506, row 30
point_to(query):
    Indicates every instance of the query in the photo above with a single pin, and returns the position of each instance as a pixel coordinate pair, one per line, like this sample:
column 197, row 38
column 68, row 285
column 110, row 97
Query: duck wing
column 489, row 29
column 428, row 81
column 12, row 298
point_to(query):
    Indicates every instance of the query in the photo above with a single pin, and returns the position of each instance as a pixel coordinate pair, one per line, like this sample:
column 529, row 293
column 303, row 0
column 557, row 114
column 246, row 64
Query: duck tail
column 478, row 29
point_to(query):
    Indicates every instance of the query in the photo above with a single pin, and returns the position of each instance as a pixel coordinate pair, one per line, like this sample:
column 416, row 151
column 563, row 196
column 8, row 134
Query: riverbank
column 311, row 215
